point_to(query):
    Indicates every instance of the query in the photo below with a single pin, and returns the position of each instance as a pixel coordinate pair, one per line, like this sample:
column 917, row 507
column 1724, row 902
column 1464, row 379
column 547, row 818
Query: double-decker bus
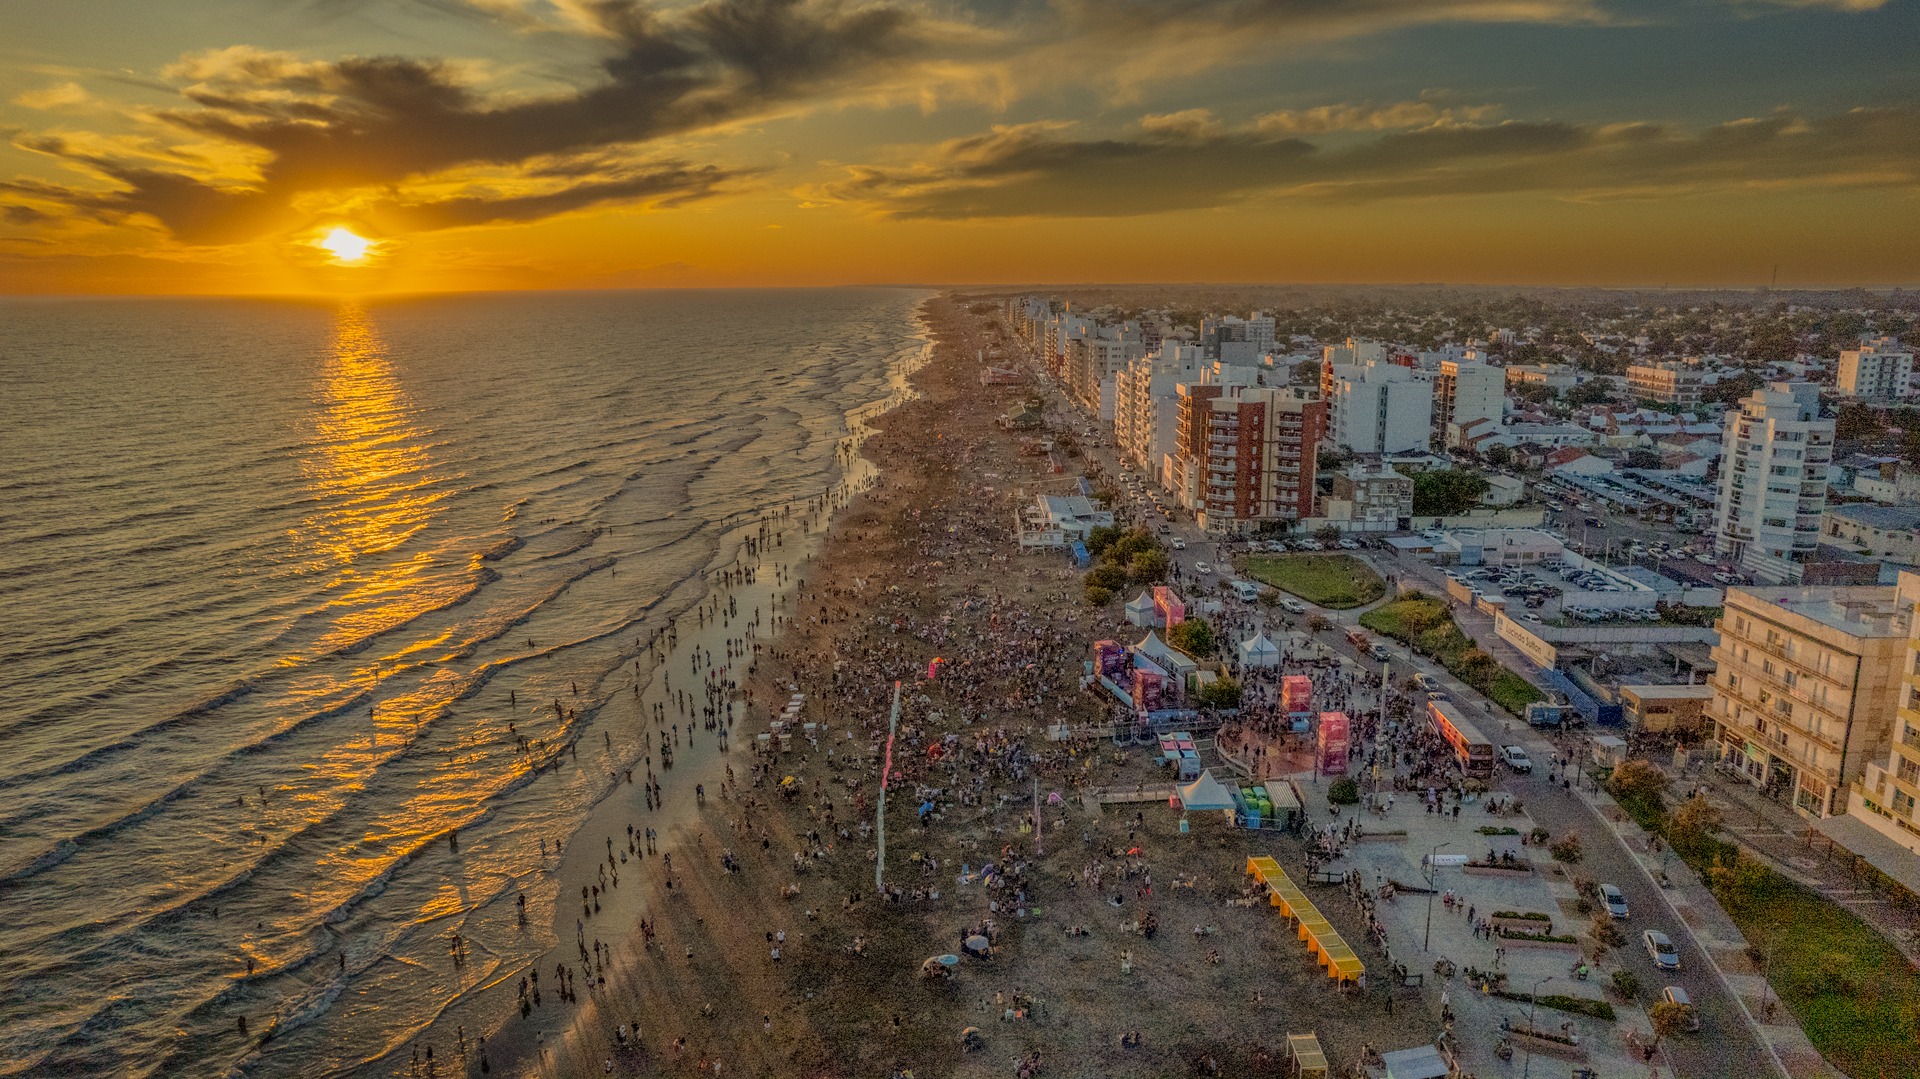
column 1470, row 748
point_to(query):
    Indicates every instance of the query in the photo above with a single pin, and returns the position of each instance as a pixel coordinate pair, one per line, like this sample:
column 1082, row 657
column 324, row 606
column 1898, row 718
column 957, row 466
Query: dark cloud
column 1038, row 170
column 16, row 214
column 671, row 185
column 371, row 121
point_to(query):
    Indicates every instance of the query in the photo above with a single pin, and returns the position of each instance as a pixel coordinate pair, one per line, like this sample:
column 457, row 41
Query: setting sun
column 344, row 245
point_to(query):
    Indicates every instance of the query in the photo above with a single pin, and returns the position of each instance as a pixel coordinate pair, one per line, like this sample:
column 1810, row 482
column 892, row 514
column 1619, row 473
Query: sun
column 344, row 245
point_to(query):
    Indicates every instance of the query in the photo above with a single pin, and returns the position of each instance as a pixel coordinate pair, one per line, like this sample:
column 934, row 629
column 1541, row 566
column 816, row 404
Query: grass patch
column 1335, row 581
column 1424, row 624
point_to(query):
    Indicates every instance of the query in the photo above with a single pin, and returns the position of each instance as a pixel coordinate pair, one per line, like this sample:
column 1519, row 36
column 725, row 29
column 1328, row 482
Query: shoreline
column 514, row 1044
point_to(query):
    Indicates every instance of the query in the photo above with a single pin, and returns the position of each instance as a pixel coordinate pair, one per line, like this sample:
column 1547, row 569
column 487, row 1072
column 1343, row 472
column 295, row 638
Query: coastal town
column 1178, row 698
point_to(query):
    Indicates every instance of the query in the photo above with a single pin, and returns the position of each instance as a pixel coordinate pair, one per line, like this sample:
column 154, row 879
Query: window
column 1908, row 770
column 1902, row 803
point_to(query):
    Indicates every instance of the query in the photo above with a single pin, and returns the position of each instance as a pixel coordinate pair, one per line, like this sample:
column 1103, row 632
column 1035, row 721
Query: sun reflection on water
column 374, row 488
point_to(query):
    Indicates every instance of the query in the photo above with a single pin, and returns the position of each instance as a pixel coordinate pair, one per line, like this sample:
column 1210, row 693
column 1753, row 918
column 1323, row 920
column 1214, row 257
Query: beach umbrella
column 1053, row 798
column 977, row 943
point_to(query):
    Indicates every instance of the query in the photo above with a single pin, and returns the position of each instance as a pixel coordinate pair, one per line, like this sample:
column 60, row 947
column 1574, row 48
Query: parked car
column 1516, row 758
column 1425, row 681
column 1614, row 900
column 1202, row 568
column 1673, row 994
column 1293, row 606
column 1661, row 950
column 1349, row 545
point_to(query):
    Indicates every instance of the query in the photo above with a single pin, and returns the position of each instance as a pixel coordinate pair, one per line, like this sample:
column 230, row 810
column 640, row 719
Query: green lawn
column 1336, row 581
column 1424, row 624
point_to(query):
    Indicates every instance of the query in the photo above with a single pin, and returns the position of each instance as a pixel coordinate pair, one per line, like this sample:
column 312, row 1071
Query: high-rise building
column 1882, row 367
column 1773, row 480
column 1145, row 403
column 1466, row 394
column 1806, row 682
column 1378, row 407
column 1244, row 454
column 1886, row 797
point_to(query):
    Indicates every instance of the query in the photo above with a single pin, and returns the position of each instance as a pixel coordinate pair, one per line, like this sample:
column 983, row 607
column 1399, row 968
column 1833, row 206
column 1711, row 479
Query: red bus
column 1471, row 749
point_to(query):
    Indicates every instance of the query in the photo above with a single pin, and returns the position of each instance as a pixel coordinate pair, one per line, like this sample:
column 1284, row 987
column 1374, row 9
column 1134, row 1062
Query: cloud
column 1040, row 170
column 355, row 123
column 1326, row 119
column 65, row 95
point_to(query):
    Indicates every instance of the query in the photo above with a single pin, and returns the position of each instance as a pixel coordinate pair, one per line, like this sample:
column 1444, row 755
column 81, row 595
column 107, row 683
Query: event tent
column 1142, row 611
column 1259, row 652
column 1420, row 1062
column 1205, row 793
column 1164, row 656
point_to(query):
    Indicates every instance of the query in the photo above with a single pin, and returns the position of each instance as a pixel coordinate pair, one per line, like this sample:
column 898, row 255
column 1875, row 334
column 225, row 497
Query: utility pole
column 880, row 810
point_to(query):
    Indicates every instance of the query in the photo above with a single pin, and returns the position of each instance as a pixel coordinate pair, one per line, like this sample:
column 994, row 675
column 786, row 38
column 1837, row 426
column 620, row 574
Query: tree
column 1643, row 458
column 1343, row 791
column 1319, row 624
column 1100, row 537
column 1568, row 850
column 1637, row 780
column 1328, row 535
column 1446, row 492
column 1500, row 456
column 1693, row 823
column 1098, row 596
column 1108, row 576
column 1856, row 422
column 1594, row 391
column 1148, row 565
column 1220, row 693
column 1668, row 1018
column 1193, row 636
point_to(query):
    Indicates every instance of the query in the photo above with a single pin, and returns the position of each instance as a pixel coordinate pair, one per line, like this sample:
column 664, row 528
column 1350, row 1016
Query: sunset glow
column 344, row 245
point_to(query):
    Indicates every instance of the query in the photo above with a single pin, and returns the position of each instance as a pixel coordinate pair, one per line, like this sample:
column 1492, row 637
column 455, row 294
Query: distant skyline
column 250, row 146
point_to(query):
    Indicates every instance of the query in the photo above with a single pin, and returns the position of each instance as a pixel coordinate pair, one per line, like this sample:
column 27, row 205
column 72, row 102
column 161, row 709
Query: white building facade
column 1773, row 481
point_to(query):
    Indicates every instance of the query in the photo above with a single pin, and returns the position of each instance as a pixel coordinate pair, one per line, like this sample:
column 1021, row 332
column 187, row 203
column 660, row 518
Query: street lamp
column 1426, row 944
column 1533, row 998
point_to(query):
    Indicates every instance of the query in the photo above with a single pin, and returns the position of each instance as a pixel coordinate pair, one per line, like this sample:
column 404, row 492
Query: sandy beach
column 1120, row 946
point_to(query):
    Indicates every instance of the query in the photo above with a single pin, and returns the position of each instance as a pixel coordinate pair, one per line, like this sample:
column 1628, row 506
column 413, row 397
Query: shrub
column 1220, row 693
column 1539, row 836
column 1098, row 596
column 1568, row 850
column 1626, row 983
column 1108, row 576
column 1193, row 636
column 1343, row 791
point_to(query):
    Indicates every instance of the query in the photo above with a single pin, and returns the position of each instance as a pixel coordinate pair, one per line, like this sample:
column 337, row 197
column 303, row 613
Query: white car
column 1614, row 900
column 1516, row 758
column 1179, row 544
column 1349, row 545
column 1203, row 568
column 1661, row 950
column 1293, row 606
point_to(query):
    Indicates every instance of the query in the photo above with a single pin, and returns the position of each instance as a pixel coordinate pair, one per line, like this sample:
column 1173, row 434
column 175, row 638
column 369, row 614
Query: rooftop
column 1878, row 516
column 1865, row 611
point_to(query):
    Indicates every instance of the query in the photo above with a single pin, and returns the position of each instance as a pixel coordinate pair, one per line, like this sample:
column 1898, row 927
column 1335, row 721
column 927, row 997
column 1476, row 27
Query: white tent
column 1205, row 793
column 1141, row 612
column 1420, row 1062
column 1257, row 651
column 1167, row 657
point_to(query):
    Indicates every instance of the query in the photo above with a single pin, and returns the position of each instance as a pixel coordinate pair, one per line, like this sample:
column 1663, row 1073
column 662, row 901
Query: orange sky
column 555, row 144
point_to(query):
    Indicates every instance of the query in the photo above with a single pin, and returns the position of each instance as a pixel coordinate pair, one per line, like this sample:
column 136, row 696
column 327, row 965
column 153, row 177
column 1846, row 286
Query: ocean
column 272, row 573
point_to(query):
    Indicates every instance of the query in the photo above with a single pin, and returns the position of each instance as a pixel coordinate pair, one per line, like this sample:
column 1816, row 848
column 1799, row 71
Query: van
column 1246, row 590
column 1673, row 994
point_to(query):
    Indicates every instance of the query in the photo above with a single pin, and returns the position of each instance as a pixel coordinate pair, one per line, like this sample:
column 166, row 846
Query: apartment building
column 1372, row 496
column 1882, row 368
column 1773, row 480
column 1244, row 454
column 1146, row 402
column 1886, row 797
column 1667, row 383
column 1805, row 687
column 1377, row 408
column 1094, row 359
column 1466, row 395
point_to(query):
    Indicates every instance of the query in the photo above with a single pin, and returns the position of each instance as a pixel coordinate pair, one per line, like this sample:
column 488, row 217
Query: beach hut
column 1142, row 611
column 1259, row 652
column 1204, row 794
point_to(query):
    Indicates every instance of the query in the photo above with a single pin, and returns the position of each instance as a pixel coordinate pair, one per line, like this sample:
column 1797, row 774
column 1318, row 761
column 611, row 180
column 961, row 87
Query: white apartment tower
column 1882, row 367
column 1378, row 408
column 1773, row 480
column 1464, row 394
